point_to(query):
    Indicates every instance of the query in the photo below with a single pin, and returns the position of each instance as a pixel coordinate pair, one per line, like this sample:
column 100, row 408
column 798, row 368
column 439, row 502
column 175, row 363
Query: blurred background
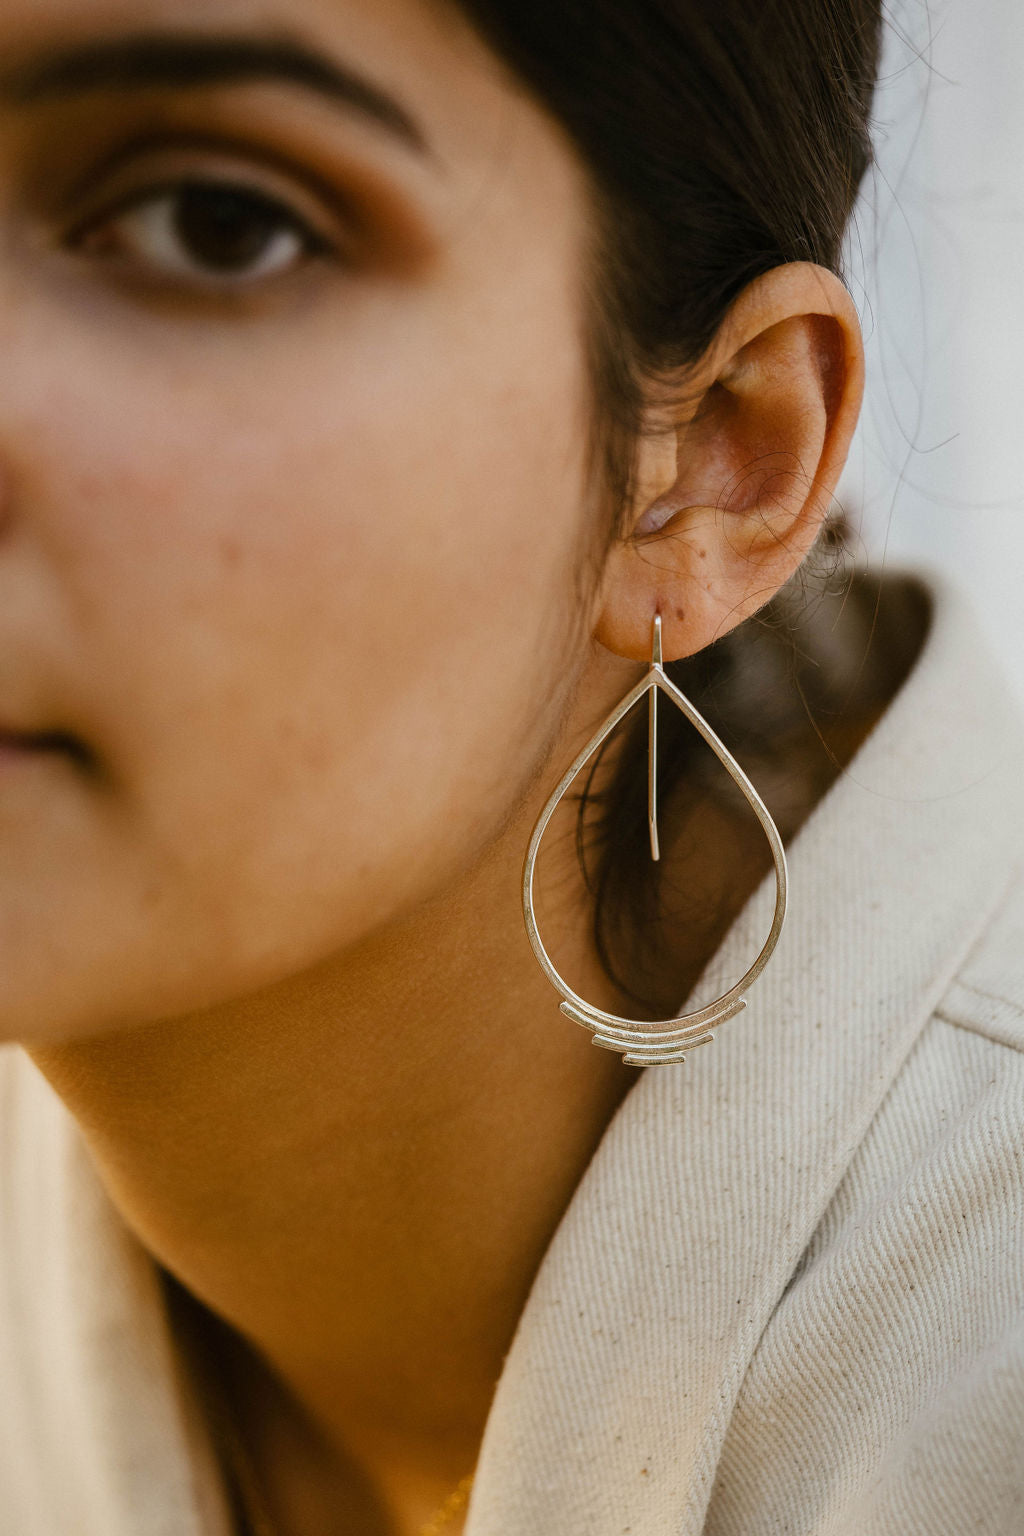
column 936, row 264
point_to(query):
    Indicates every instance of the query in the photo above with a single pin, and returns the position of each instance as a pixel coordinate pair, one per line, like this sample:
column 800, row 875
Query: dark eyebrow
column 172, row 61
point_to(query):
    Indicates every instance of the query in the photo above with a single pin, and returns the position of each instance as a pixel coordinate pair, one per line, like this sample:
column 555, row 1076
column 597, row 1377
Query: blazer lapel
column 704, row 1192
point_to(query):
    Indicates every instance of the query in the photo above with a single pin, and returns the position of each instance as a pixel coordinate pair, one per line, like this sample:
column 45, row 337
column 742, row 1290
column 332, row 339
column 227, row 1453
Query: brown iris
column 224, row 228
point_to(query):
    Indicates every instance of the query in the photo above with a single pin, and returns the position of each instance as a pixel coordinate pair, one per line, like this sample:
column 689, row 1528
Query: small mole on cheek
column 680, row 614
column 151, row 897
column 230, row 550
column 702, row 553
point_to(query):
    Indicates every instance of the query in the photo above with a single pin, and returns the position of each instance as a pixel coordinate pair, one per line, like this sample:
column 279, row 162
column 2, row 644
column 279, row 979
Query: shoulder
column 893, row 1363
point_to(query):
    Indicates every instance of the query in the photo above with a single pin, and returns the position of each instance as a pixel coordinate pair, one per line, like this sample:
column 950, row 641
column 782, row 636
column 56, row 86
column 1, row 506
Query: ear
column 732, row 494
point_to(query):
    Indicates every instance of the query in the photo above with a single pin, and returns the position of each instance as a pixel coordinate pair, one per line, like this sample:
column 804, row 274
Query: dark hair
column 723, row 138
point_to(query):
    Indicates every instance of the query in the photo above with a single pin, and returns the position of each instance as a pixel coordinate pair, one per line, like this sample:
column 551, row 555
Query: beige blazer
column 788, row 1294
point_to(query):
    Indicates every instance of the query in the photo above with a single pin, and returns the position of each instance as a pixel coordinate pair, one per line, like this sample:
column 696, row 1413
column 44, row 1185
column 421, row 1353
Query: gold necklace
column 253, row 1506
column 456, row 1501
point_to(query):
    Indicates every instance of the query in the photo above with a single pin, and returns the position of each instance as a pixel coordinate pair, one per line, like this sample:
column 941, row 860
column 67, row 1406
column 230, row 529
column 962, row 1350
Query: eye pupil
column 225, row 229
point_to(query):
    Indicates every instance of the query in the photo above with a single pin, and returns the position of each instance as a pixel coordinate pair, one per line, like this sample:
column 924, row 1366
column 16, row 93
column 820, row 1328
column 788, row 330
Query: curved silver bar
column 660, row 1029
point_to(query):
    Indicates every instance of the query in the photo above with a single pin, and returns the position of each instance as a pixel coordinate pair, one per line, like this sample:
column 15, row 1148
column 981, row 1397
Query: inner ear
column 755, row 443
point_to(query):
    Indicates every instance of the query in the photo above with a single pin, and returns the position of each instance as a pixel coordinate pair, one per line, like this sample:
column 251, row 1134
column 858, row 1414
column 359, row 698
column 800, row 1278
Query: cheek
column 312, row 597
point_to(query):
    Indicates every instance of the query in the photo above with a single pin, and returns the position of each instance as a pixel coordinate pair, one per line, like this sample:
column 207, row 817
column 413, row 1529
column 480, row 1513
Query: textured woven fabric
column 788, row 1293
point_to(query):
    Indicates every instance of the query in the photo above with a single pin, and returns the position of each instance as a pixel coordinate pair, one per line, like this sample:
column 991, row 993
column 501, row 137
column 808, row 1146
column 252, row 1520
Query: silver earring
column 661, row 1040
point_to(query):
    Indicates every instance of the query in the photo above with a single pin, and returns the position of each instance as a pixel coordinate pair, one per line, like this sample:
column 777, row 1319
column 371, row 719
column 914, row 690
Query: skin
column 295, row 559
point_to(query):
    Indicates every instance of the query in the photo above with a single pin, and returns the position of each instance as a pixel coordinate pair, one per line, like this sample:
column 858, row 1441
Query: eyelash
column 165, row 206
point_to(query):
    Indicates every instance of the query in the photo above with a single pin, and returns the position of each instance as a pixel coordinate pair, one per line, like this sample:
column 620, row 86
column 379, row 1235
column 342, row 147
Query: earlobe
column 757, row 460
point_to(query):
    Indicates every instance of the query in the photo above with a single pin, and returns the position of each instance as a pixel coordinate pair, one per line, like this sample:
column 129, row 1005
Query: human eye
column 203, row 232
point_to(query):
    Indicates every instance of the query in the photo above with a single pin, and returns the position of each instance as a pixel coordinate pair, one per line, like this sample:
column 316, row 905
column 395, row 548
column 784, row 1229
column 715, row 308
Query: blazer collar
column 705, row 1190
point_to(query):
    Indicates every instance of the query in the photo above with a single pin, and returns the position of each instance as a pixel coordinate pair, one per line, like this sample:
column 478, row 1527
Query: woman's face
column 292, row 484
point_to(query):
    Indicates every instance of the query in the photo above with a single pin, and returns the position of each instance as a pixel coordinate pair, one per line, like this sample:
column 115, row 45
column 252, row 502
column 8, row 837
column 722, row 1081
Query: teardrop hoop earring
column 661, row 1040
